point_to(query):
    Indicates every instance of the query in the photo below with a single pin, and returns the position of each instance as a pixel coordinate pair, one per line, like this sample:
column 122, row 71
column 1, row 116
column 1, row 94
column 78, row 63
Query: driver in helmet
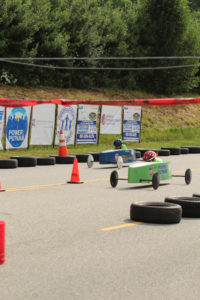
column 151, row 156
column 119, row 145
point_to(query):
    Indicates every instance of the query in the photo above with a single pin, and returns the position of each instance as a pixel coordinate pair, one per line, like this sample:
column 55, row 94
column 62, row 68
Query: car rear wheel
column 188, row 176
column 156, row 181
column 114, row 179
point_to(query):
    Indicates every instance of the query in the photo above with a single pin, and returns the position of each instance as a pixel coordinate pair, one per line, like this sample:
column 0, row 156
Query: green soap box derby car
column 154, row 172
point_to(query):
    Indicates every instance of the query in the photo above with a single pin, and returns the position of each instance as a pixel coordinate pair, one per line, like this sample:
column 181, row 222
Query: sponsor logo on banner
column 67, row 117
column 103, row 119
column 92, row 116
column 17, row 126
column 136, row 116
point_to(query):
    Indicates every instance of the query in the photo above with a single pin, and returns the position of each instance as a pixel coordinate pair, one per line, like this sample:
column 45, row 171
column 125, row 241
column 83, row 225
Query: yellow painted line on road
column 40, row 186
column 121, row 226
column 33, row 187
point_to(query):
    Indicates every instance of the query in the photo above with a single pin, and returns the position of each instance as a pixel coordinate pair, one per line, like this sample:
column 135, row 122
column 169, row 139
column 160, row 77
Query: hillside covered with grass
column 161, row 126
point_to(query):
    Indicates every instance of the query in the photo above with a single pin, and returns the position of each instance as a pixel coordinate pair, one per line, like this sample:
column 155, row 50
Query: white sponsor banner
column 131, row 123
column 17, row 127
column 66, row 121
column 110, row 120
column 43, row 122
column 87, row 124
column 2, row 115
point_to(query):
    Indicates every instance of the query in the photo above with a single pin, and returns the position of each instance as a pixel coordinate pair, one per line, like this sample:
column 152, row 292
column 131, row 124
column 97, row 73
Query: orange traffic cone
column 75, row 173
column 62, row 145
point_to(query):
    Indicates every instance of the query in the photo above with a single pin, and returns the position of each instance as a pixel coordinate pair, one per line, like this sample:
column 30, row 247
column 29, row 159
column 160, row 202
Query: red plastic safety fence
column 135, row 102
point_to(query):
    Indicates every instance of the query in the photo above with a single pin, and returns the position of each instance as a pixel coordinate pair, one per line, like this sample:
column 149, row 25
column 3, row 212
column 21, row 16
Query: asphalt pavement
column 76, row 241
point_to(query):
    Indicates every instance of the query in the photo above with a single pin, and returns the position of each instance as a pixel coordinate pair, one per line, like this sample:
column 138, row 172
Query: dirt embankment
column 162, row 117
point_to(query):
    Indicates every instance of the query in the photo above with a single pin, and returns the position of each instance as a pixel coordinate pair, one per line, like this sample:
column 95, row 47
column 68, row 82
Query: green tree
column 16, row 34
column 96, row 28
column 195, row 4
column 165, row 28
column 50, row 39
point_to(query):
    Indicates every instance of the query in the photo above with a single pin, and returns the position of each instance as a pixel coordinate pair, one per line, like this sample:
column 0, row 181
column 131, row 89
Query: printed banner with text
column 17, row 127
column 2, row 115
column 132, row 123
column 111, row 120
column 87, row 124
column 66, row 122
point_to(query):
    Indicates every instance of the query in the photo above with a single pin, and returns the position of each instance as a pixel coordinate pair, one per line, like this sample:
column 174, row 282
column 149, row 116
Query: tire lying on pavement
column 156, row 212
column 192, row 149
column 190, row 205
column 142, row 150
column 138, row 154
column 45, row 161
column 26, row 161
column 96, row 155
column 8, row 163
column 69, row 159
column 163, row 152
column 184, row 150
column 173, row 150
column 81, row 157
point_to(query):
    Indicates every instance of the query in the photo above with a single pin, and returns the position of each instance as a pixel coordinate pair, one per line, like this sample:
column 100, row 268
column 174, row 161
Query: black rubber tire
column 190, row 205
column 163, row 152
column 8, row 163
column 192, row 149
column 156, row 212
column 155, row 181
column 46, row 161
column 114, row 179
column 155, row 150
column 188, row 176
column 26, row 161
column 81, row 157
column 142, row 150
column 96, row 155
column 69, row 159
column 138, row 154
column 173, row 150
column 184, row 150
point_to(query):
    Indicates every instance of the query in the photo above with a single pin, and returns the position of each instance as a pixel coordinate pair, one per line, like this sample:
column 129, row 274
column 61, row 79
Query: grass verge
column 150, row 138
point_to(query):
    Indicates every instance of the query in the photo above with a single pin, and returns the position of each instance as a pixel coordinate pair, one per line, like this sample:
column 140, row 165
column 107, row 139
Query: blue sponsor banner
column 2, row 113
column 87, row 124
column 17, row 127
column 131, row 123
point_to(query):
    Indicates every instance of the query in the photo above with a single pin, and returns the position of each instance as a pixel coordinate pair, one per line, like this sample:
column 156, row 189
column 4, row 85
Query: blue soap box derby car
column 117, row 157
